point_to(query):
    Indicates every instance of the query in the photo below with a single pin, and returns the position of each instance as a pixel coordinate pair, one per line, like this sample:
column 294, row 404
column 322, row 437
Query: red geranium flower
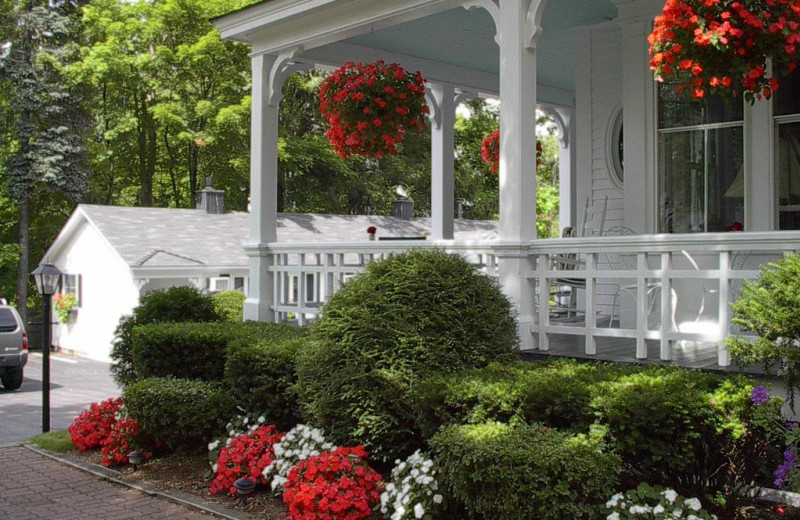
column 370, row 107
column 490, row 151
column 722, row 46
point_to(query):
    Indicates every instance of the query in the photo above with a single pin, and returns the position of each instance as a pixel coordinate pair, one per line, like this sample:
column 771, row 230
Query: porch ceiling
column 446, row 42
column 465, row 38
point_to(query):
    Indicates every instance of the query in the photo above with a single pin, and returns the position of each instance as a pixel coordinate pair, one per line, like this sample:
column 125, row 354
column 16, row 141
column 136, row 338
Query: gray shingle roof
column 161, row 237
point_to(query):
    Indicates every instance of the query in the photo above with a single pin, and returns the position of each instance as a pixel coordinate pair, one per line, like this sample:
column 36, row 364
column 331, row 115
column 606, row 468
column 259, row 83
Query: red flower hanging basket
column 490, row 151
column 370, row 106
column 722, row 46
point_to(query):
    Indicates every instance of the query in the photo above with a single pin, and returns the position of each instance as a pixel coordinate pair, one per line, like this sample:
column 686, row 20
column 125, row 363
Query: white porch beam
column 485, row 84
column 443, row 120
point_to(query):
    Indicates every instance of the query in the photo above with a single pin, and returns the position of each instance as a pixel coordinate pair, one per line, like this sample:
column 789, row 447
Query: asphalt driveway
column 74, row 384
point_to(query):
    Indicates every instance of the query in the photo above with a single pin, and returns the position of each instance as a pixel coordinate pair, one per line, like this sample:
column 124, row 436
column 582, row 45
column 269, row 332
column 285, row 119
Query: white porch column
column 567, row 160
column 263, row 190
column 443, row 120
column 518, row 24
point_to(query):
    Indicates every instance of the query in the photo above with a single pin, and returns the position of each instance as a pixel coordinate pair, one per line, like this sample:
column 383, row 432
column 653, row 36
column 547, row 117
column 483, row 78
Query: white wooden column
column 263, row 189
column 518, row 25
column 567, row 161
column 443, row 120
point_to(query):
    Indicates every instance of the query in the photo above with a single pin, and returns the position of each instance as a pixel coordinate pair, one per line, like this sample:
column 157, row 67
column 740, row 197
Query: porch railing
column 671, row 288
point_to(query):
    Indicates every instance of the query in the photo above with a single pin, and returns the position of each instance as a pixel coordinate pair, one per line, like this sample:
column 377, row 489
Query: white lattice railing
column 669, row 288
column 306, row 275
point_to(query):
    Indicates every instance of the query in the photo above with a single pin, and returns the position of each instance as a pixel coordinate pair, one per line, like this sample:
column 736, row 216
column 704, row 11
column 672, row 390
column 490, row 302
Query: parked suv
column 13, row 347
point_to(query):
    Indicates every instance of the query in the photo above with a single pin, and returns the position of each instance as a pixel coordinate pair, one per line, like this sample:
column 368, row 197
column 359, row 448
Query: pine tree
column 47, row 123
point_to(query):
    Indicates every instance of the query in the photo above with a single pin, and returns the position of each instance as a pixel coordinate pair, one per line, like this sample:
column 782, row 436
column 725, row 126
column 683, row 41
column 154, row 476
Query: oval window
column 616, row 152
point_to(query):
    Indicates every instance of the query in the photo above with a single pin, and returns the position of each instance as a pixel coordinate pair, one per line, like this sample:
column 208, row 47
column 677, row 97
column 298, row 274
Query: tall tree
column 45, row 116
column 168, row 89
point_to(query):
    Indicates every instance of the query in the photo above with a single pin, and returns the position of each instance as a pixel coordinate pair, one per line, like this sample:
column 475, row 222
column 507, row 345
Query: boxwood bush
column 525, row 471
column 161, row 306
column 261, row 373
column 556, row 393
column 405, row 318
column 180, row 413
column 229, row 305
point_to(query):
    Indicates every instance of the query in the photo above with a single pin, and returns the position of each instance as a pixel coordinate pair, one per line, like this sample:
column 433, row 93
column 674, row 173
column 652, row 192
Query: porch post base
column 259, row 303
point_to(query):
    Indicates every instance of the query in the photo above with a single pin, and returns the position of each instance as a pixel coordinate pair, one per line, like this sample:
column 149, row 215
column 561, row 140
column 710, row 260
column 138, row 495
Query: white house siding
column 598, row 93
column 108, row 292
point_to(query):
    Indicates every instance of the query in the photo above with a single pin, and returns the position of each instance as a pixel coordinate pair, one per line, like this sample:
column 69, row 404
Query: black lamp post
column 47, row 278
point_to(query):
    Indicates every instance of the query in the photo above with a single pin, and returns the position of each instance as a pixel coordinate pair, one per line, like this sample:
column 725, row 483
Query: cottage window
column 72, row 284
column 786, row 111
column 700, row 158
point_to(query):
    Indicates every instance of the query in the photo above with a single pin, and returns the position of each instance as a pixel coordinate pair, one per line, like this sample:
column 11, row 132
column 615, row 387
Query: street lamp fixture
column 48, row 278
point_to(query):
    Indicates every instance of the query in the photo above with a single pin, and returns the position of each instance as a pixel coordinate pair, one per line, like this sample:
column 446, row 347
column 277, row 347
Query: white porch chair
column 628, row 262
column 594, row 218
column 563, row 290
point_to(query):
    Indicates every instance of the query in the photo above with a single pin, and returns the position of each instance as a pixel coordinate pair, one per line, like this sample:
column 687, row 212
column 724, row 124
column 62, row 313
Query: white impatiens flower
column 410, row 492
column 613, row 516
column 658, row 509
column 299, row 443
column 693, row 504
column 614, row 500
column 670, row 495
column 213, row 445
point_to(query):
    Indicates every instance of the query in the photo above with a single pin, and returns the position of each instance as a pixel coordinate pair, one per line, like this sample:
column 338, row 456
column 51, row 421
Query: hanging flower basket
column 370, row 106
column 722, row 46
column 490, row 151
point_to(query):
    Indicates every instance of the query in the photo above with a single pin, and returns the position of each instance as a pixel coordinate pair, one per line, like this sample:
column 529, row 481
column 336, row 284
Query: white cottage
column 668, row 175
column 112, row 255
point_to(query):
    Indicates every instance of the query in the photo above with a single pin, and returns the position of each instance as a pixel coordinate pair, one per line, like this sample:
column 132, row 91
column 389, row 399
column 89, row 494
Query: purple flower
column 759, row 395
column 782, row 473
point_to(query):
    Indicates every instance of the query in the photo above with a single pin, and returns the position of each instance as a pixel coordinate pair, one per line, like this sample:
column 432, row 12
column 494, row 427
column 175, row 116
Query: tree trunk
column 24, row 258
column 147, row 145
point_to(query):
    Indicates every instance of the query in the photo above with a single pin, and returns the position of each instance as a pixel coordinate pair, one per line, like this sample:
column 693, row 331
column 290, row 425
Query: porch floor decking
column 685, row 354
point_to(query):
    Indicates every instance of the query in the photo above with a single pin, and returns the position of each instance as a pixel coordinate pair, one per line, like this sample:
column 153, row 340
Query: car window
column 8, row 322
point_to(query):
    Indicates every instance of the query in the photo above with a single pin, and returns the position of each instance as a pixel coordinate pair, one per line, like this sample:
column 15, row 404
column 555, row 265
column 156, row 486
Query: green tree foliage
column 478, row 185
column 170, row 100
column 44, row 122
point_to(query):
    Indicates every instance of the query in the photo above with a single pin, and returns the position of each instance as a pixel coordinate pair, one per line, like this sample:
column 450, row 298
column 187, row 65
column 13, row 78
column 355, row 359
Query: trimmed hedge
column 171, row 305
column 261, row 373
column 524, row 471
column 404, row 318
column 181, row 413
column 556, row 393
column 192, row 350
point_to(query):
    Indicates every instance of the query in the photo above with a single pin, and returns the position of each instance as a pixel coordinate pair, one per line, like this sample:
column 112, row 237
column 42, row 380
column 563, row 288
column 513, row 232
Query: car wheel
column 12, row 378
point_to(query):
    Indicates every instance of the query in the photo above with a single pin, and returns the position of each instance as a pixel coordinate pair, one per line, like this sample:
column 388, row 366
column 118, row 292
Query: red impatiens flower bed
column 246, row 456
column 490, row 151
column 722, row 46
column 105, row 425
column 371, row 106
column 335, row 484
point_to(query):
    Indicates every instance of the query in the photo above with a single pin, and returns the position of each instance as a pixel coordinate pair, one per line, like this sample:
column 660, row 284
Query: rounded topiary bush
column 181, row 303
column 405, row 318
column 229, row 305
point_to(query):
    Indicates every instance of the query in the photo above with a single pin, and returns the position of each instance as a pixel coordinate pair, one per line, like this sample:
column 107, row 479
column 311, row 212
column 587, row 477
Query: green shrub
column 181, row 413
column 524, row 471
column 678, row 428
column 556, row 393
column 229, row 305
column 260, row 373
column 769, row 307
column 161, row 306
column 184, row 350
column 407, row 317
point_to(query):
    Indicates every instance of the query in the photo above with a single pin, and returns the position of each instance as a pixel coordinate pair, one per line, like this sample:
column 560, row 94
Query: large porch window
column 700, row 158
column 786, row 110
